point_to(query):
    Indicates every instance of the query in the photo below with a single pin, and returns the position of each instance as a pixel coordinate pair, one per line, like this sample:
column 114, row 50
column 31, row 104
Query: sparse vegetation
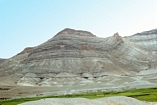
column 146, row 94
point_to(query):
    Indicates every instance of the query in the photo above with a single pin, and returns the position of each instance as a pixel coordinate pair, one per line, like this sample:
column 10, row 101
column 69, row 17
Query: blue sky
column 28, row 23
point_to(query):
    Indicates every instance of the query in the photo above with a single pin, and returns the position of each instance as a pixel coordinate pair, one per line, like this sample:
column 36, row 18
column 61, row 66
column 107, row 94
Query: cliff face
column 81, row 56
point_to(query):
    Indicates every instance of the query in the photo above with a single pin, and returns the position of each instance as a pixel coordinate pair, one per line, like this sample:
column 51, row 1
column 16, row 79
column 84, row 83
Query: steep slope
column 2, row 60
column 78, row 58
column 146, row 39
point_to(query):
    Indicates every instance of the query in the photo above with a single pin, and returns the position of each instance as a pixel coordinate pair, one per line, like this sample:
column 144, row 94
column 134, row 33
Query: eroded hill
column 78, row 60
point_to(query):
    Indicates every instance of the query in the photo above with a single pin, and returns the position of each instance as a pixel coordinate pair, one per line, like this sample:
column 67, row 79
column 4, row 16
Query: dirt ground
column 9, row 92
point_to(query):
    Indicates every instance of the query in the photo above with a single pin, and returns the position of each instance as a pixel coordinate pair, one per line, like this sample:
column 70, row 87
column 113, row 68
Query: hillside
column 75, row 60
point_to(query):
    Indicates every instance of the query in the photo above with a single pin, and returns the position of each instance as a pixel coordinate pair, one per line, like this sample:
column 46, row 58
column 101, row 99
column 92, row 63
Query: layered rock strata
column 78, row 58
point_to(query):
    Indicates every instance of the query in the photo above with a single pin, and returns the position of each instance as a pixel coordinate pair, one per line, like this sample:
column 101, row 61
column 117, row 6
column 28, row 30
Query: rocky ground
column 117, row 100
column 2, row 60
column 143, row 79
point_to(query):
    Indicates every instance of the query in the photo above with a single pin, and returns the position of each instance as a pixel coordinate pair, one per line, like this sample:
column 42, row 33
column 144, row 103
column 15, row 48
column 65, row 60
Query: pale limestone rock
column 117, row 100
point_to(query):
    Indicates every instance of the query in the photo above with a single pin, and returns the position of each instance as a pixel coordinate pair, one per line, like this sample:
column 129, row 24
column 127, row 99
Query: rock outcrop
column 146, row 39
column 117, row 100
column 78, row 58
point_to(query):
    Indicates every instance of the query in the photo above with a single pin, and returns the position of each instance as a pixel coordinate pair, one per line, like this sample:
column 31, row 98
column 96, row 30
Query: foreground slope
column 117, row 100
column 78, row 60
